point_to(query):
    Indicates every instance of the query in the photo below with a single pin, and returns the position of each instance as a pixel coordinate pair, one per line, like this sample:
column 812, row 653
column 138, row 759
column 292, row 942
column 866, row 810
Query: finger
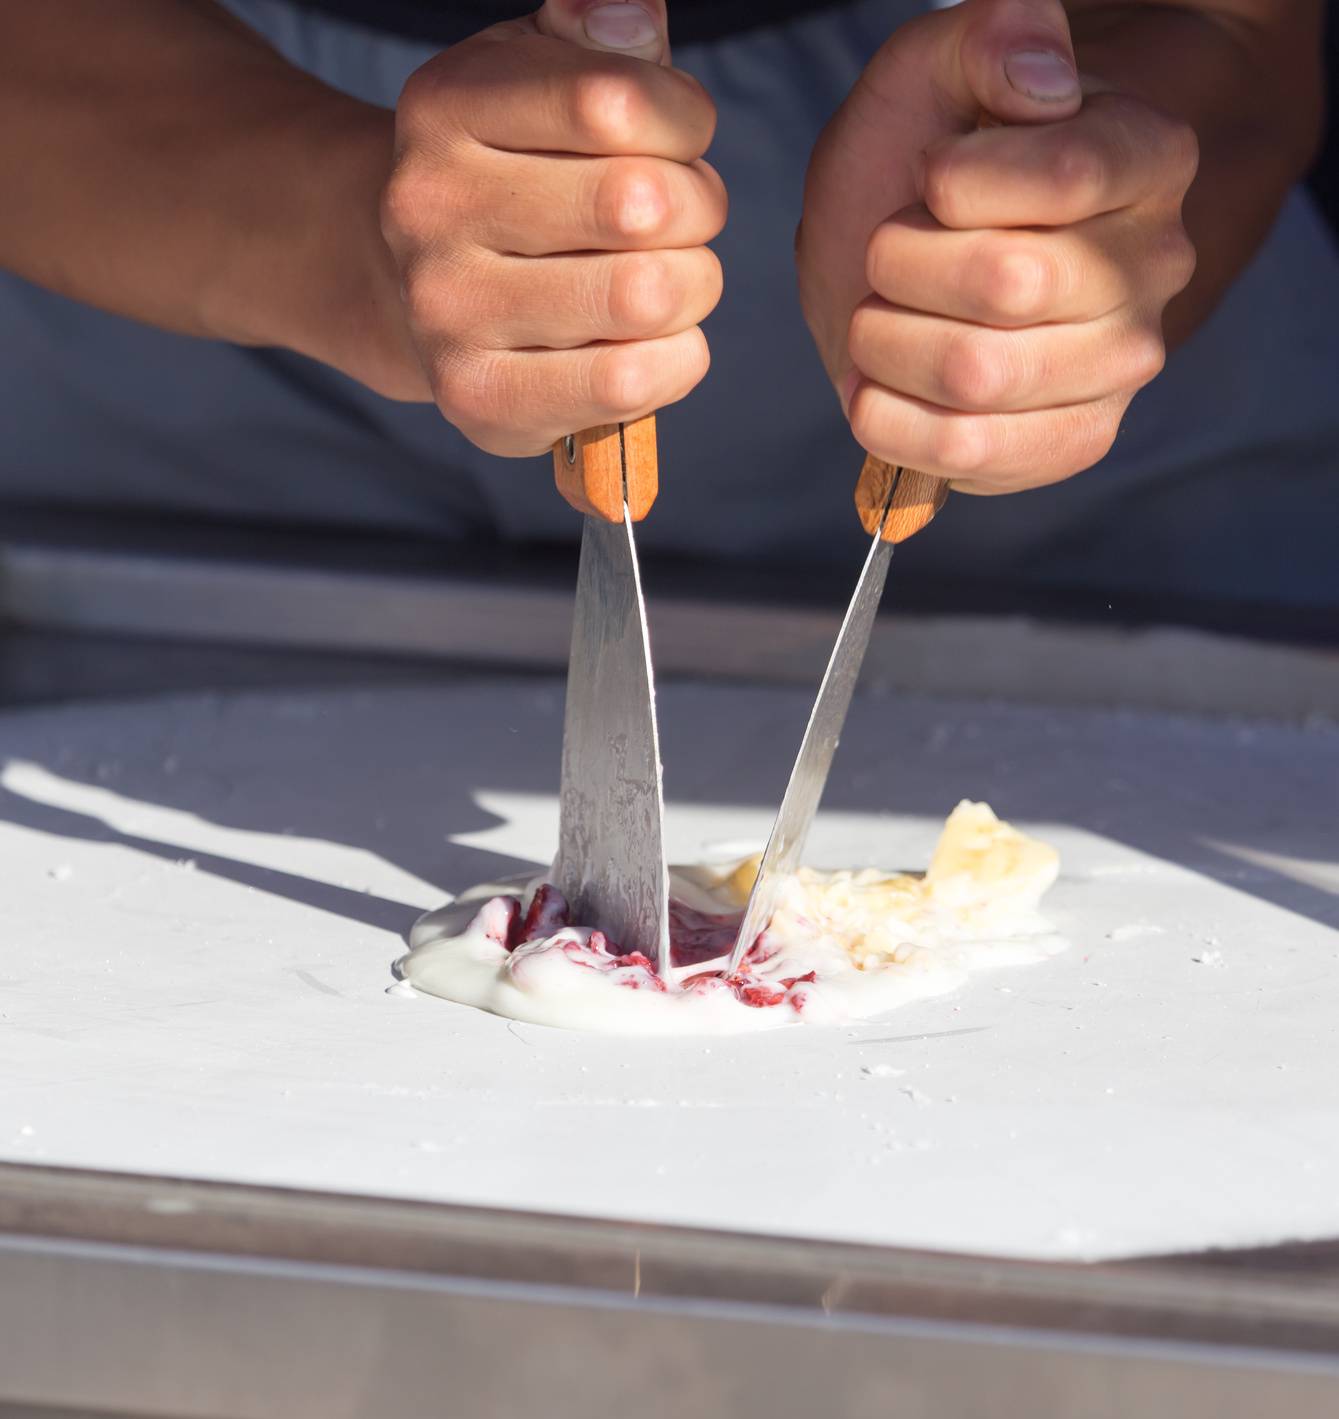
column 1011, row 59
column 1010, row 278
column 541, row 206
column 517, row 403
column 1016, row 60
column 640, row 30
column 533, row 93
column 984, row 453
column 565, row 302
column 976, row 368
column 1114, row 153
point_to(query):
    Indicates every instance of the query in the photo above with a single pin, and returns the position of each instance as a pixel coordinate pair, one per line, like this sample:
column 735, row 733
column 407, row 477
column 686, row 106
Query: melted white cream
column 871, row 941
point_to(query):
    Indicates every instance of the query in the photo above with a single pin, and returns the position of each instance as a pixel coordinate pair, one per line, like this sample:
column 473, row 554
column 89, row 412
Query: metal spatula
column 611, row 856
column 894, row 503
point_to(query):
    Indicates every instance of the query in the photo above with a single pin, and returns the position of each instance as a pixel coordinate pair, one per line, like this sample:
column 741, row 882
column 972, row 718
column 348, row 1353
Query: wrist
column 354, row 317
column 310, row 271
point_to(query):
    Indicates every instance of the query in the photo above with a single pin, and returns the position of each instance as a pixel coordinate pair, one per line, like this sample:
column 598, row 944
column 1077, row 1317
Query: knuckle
column 693, row 364
column 1147, row 354
column 712, row 202
column 1097, row 447
column 1088, row 437
column 429, row 107
column 642, row 295
column 422, row 93
column 420, row 291
column 868, row 427
column 1014, row 283
column 863, row 335
column 609, row 109
column 1077, row 171
column 1184, row 148
column 974, row 371
column 438, row 292
column 942, row 186
column 631, row 201
column 469, row 389
column 488, row 437
column 696, row 105
column 409, row 205
column 881, row 259
column 1179, row 257
column 962, row 444
column 891, row 245
column 622, row 381
column 714, row 285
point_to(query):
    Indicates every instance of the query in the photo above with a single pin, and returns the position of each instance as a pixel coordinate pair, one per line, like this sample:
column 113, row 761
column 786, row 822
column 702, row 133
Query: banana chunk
column 986, row 870
column 739, row 884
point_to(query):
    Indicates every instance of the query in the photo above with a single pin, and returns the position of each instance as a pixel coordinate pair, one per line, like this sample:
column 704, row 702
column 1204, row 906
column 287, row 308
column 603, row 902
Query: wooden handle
column 916, row 499
column 593, row 469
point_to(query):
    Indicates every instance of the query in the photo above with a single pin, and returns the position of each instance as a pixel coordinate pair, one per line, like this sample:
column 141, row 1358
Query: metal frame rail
column 219, row 609
column 136, row 1296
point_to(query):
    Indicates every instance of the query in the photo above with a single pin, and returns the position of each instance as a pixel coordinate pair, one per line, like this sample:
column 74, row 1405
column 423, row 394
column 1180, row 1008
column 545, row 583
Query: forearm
column 1247, row 78
column 164, row 163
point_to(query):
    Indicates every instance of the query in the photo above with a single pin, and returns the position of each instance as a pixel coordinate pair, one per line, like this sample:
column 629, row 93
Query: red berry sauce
column 695, row 936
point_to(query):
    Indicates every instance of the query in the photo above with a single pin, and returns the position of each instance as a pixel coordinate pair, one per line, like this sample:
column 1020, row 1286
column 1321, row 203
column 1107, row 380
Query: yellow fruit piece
column 984, row 878
column 740, row 882
column 981, row 857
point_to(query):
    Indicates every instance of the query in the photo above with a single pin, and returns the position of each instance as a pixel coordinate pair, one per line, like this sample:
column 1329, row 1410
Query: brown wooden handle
column 916, row 499
column 592, row 469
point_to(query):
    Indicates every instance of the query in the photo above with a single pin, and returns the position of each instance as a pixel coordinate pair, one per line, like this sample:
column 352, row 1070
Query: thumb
column 639, row 28
column 1013, row 60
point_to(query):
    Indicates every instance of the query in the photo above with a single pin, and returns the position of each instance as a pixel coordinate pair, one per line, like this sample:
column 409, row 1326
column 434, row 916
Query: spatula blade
column 809, row 776
column 611, row 856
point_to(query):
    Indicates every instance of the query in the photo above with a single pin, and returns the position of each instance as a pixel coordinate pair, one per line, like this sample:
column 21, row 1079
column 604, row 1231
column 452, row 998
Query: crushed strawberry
column 695, row 936
column 751, row 990
column 549, row 913
column 758, row 995
column 635, row 973
column 582, row 953
column 633, row 970
column 706, row 982
column 635, row 959
column 808, row 978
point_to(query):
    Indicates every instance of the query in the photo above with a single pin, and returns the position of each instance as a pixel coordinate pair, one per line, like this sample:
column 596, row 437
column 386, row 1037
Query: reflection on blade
column 611, row 857
column 810, row 774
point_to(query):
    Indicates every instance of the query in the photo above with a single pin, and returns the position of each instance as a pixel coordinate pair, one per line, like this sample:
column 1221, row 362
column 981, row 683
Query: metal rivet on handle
column 570, row 448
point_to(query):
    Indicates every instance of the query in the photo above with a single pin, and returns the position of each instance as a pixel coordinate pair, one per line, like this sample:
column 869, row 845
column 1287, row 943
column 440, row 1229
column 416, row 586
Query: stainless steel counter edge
column 218, row 601
column 179, row 1298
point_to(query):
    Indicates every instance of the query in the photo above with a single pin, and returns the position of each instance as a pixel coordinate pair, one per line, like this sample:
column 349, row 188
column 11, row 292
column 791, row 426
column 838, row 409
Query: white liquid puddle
column 841, row 947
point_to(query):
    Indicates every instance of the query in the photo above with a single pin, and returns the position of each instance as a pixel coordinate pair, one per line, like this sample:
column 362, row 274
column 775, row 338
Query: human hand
column 549, row 211
column 988, row 300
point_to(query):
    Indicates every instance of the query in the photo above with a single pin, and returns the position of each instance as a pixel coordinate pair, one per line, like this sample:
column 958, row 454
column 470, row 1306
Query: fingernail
column 1043, row 75
column 621, row 27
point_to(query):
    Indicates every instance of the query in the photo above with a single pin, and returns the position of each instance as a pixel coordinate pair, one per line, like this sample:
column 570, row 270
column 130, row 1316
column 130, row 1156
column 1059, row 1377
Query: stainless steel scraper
column 894, row 503
column 611, row 855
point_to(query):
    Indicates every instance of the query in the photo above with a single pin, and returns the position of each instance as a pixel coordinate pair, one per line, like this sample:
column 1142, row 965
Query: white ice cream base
column 874, row 940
